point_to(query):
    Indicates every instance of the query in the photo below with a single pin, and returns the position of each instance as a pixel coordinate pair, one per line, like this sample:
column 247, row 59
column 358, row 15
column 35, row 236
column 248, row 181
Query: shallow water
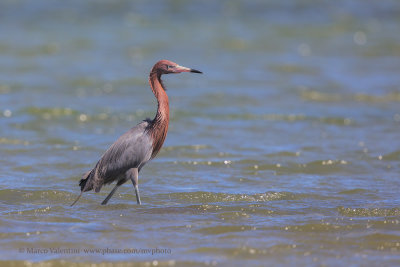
column 284, row 152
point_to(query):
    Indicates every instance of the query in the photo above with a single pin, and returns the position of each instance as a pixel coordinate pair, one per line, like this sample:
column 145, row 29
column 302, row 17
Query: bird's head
column 167, row 67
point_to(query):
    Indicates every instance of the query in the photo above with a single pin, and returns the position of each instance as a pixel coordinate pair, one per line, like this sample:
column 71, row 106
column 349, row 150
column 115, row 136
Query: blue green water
column 284, row 152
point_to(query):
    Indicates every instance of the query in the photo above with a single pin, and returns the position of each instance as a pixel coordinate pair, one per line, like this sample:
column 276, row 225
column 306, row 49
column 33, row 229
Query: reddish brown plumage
column 159, row 125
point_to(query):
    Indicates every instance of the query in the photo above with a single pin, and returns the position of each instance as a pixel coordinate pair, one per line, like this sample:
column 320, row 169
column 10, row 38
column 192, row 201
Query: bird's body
column 132, row 150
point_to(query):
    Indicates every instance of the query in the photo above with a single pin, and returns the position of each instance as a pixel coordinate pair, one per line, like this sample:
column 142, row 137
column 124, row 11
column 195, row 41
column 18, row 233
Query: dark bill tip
column 195, row 71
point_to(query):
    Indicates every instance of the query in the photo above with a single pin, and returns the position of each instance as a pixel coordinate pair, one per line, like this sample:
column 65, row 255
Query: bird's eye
column 170, row 67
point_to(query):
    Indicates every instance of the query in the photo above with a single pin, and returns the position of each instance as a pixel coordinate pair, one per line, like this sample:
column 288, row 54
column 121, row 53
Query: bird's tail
column 82, row 184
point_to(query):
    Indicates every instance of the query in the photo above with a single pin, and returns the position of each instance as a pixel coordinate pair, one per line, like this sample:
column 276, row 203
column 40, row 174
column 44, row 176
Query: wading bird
column 127, row 156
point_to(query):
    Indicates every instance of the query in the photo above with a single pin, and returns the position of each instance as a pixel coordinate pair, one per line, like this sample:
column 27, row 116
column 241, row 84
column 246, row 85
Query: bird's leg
column 76, row 200
column 134, row 176
column 137, row 195
column 111, row 194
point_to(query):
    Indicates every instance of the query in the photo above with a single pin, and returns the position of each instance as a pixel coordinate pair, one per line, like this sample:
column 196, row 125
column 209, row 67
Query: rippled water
column 284, row 152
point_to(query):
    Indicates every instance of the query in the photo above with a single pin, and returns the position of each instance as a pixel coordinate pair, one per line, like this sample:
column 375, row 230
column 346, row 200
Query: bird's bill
column 195, row 71
column 184, row 69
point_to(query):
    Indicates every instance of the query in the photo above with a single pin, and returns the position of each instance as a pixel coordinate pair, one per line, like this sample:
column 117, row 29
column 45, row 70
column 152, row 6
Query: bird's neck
column 159, row 125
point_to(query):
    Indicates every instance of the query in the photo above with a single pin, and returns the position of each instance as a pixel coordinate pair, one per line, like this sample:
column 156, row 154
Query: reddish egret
column 126, row 157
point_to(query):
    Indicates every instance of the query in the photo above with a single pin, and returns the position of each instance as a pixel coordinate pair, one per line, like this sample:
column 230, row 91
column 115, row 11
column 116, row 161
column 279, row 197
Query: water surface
column 284, row 152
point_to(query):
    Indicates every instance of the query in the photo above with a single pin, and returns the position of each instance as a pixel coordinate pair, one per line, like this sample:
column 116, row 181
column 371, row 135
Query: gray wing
column 131, row 150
